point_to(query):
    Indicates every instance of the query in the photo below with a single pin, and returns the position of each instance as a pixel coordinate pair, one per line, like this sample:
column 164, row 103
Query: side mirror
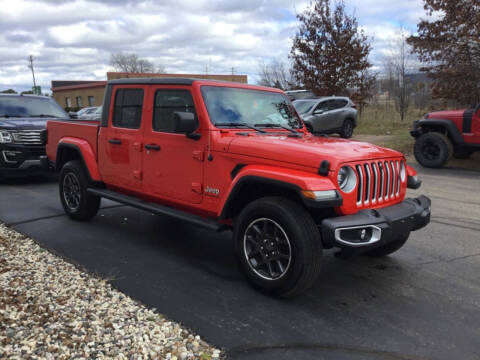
column 73, row 115
column 184, row 122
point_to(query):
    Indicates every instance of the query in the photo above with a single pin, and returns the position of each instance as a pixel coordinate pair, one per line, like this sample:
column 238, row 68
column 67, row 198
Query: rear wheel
column 432, row 150
column 278, row 246
column 347, row 129
column 389, row 248
column 76, row 201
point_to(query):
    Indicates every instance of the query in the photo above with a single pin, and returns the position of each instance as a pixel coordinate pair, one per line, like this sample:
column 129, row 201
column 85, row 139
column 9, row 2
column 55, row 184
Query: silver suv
column 328, row 115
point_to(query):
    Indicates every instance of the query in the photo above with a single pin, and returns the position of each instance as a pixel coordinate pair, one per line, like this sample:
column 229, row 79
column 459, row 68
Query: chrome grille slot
column 375, row 183
column 397, row 191
column 32, row 137
column 382, row 181
column 368, row 177
column 360, row 185
column 394, row 180
column 387, row 185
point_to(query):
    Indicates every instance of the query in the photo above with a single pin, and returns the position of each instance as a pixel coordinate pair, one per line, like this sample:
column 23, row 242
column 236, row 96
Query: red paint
column 195, row 175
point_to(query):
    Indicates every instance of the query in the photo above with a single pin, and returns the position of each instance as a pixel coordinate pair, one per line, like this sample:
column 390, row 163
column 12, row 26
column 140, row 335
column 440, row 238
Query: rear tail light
column 354, row 105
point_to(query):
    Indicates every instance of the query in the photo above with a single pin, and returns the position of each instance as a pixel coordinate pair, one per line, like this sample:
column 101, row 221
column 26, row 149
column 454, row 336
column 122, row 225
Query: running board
column 157, row 209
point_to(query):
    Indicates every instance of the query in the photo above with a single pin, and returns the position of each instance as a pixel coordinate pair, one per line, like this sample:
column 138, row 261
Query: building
column 73, row 95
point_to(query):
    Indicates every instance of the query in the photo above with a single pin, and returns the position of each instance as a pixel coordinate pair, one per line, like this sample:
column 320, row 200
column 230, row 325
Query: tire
column 462, row 154
column 389, row 248
column 432, row 150
column 77, row 203
column 296, row 244
column 347, row 129
column 309, row 128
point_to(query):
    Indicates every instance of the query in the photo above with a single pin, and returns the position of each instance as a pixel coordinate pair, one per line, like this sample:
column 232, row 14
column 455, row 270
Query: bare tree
column 131, row 63
column 276, row 74
column 399, row 63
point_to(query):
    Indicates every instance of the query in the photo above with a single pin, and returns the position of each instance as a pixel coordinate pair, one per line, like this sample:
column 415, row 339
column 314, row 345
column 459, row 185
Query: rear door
column 338, row 112
column 173, row 163
column 120, row 144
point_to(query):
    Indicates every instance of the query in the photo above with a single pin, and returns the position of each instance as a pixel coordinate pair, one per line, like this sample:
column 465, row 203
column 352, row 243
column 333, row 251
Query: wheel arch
column 440, row 125
column 68, row 150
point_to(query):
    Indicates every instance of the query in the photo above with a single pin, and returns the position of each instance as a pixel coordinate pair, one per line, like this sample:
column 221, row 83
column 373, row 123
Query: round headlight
column 346, row 179
column 403, row 171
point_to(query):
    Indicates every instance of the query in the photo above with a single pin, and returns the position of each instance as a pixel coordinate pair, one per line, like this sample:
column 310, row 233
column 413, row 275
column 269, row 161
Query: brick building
column 80, row 94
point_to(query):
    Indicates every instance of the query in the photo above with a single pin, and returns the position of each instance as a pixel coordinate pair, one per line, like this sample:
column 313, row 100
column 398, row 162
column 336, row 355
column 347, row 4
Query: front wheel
column 76, row 201
column 278, row 246
column 432, row 150
column 347, row 129
column 389, row 248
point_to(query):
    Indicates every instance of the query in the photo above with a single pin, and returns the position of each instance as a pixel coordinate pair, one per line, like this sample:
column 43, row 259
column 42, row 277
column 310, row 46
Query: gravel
column 49, row 309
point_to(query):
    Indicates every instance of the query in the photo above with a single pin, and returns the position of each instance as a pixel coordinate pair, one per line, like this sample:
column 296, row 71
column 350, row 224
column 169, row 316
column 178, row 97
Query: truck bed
column 79, row 129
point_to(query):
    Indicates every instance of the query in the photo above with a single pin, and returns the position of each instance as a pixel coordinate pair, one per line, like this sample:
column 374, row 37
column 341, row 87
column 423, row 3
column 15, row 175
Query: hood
column 308, row 150
column 24, row 123
column 446, row 114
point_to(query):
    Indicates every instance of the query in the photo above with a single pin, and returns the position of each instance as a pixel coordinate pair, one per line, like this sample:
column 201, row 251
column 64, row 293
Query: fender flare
column 85, row 152
column 447, row 124
column 292, row 180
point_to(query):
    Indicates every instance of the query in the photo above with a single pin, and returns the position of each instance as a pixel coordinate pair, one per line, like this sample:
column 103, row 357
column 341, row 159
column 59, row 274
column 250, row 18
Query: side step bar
column 158, row 209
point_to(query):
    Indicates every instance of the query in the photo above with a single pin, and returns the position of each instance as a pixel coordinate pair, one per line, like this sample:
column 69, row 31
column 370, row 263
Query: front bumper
column 372, row 228
column 22, row 160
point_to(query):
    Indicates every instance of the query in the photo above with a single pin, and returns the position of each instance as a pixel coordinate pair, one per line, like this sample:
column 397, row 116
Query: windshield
column 26, row 106
column 230, row 106
column 304, row 106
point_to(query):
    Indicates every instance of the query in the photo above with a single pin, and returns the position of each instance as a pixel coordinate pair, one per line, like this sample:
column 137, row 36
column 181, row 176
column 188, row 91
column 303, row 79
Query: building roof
column 61, row 83
column 89, row 84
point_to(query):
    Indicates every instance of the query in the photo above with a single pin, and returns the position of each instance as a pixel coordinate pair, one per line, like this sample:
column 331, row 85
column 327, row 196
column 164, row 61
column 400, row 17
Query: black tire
column 296, row 235
column 389, row 248
column 462, row 154
column 432, row 150
column 76, row 201
column 309, row 128
column 347, row 129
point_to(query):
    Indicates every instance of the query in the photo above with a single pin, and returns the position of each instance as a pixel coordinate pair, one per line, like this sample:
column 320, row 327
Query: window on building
column 68, row 102
column 79, row 101
column 128, row 108
column 91, row 101
column 166, row 103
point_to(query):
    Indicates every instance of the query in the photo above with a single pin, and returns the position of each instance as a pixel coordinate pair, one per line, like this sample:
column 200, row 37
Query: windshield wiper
column 11, row 116
column 43, row 115
column 271, row 125
column 240, row 124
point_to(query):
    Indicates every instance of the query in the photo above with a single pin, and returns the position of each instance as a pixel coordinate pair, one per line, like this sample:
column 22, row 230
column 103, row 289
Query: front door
column 172, row 163
column 322, row 116
column 120, row 144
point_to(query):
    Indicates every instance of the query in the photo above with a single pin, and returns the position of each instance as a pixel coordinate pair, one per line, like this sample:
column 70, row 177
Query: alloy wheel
column 71, row 191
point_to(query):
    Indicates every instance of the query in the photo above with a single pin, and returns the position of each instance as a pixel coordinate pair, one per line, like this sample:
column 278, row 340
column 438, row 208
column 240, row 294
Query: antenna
column 30, row 65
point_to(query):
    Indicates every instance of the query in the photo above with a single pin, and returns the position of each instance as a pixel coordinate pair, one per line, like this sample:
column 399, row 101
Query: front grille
column 30, row 137
column 378, row 181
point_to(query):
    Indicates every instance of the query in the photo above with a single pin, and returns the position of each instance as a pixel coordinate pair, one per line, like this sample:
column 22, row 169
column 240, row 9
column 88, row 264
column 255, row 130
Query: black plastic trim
column 409, row 215
column 153, row 81
column 413, row 182
column 157, row 208
column 324, row 168
column 77, row 149
column 309, row 203
column 236, row 169
column 447, row 124
column 107, row 97
column 467, row 121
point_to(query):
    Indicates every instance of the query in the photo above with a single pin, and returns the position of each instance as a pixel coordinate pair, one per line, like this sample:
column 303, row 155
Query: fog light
column 10, row 156
column 358, row 235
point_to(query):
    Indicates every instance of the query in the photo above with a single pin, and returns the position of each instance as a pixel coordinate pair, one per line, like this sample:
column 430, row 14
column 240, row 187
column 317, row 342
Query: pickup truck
column 235, row 156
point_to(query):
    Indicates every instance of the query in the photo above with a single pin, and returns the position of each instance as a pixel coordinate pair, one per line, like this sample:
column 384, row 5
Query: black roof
column 155, row 81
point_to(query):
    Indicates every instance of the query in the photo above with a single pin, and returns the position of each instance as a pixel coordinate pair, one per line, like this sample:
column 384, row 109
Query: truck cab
column 235, row 156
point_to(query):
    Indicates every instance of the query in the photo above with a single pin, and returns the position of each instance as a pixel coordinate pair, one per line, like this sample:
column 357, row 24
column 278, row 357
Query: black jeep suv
column 23, row 132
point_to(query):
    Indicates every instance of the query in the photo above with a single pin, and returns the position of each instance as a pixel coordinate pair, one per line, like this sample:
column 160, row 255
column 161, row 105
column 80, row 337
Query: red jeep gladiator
column 233, row 156
column 441, row 134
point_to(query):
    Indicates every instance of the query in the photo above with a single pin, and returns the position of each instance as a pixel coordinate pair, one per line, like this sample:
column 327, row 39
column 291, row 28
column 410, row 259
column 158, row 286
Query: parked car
column 95, row 114
column 22, row 132
column 235, row 156
column 82, row 112
column 328, row 115
column 300, row 94
column 441, row 134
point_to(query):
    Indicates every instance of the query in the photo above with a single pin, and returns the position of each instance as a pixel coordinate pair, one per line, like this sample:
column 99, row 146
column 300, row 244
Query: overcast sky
column 73, row 40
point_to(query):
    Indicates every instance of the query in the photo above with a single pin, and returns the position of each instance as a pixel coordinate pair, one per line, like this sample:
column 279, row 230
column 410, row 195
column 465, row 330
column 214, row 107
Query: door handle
column 115, row 141
column 154, row 147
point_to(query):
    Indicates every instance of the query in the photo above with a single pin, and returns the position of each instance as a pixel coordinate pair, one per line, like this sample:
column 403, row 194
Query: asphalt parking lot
column 423, row 302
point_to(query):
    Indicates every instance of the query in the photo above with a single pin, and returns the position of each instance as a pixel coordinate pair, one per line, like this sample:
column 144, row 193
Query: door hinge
column 137, row 174
column 197, row 188
column 198, row 154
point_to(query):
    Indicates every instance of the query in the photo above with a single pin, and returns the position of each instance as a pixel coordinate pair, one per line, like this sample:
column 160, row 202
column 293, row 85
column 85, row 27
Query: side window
column 340, row 103
column 324, row 105
column 166, row 103
column 127, row 111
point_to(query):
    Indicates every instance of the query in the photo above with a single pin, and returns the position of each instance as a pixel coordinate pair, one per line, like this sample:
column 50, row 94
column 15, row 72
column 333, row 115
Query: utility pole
column 30, row 60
